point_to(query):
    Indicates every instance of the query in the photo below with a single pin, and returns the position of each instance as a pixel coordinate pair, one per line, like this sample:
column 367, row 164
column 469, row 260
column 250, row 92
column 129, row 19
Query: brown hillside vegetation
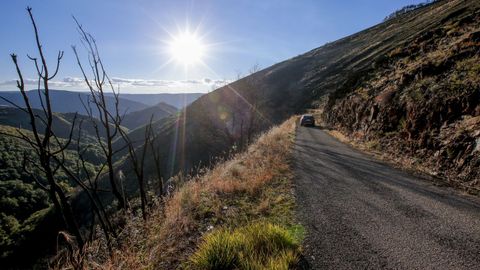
column 422, row 106
column 250, row 191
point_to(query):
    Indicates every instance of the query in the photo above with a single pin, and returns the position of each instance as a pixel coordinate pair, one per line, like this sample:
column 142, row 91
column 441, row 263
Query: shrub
column 258, row 245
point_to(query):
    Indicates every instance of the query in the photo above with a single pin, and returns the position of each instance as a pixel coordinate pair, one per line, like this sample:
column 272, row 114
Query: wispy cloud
column 130, row 85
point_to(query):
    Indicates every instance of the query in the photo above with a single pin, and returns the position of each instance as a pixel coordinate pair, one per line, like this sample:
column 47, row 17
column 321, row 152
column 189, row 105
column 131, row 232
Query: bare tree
column 156, row 159
column 138, row 161
column 48, row 147
column 91, row 188
column 109, row 121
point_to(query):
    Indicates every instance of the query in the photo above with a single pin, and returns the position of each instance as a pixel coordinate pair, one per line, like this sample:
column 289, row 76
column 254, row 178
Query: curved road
column 360, row 213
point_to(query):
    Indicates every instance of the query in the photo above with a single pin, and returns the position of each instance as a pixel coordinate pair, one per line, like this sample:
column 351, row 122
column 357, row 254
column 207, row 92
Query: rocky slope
column 423, row 100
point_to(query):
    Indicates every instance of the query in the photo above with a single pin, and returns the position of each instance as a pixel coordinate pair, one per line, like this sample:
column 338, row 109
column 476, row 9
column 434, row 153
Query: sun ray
column 229, row 86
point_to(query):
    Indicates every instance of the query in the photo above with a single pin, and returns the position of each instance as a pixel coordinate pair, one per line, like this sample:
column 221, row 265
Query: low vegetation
column 244, row 203
column 254, row 246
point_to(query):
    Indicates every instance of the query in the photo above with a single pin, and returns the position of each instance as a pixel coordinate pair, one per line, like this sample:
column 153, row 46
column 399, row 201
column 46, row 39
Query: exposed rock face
column 423, row 101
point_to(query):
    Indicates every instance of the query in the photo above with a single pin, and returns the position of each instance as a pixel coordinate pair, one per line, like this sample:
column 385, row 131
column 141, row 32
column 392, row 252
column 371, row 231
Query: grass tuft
column 260, row 245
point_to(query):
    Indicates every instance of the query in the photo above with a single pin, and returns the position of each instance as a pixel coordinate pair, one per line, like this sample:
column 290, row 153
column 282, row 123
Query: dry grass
column 255, row 246
column 251, row 186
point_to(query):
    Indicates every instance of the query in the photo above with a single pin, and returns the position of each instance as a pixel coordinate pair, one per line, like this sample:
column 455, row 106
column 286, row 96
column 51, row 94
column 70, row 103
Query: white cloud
column 129, row 85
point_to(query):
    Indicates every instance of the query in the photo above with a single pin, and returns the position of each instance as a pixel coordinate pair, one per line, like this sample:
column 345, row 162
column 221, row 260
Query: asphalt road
column 360, row 213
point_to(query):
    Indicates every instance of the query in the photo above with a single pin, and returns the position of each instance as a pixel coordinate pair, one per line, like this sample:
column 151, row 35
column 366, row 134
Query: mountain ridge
column 65, row 101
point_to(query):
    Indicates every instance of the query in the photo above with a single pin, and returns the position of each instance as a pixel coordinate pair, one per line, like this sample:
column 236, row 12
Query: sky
column 143, row 43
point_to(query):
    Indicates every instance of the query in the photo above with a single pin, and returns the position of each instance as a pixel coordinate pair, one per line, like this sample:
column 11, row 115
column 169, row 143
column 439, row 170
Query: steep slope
column 139, row 118
column 231, row 115
column 248, row 190
column 421, row 106
column 68, row 101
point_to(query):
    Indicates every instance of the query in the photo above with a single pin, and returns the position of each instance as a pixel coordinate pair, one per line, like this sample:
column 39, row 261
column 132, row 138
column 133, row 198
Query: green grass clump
column 259, row 245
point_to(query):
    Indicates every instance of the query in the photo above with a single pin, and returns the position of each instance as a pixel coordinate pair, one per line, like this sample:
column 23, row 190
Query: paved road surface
column 360, row 213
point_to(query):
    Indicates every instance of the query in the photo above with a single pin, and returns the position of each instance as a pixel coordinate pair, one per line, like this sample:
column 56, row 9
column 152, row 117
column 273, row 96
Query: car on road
column 307, row 120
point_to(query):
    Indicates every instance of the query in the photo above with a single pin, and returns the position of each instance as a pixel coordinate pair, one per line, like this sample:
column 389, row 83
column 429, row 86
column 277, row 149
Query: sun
column 187, row 48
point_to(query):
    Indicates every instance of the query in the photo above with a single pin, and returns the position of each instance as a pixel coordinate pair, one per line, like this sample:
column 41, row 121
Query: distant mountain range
column 177, row 100
column 70, row 101
column 14, row 117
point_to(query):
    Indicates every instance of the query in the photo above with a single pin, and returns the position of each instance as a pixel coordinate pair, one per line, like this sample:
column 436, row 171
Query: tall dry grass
column 253, row 185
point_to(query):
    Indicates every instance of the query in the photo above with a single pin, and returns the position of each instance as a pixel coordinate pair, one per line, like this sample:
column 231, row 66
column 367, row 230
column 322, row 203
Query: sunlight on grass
column 256, row 246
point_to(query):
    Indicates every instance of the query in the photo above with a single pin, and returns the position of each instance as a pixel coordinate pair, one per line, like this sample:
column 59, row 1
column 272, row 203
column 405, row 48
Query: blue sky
column 133, row 36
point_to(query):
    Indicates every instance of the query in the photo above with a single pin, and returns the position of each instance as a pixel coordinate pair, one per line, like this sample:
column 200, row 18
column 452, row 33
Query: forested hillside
column 24, row 205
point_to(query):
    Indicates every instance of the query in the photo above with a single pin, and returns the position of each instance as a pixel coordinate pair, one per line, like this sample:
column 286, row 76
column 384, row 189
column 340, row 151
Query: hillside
column 421, row 106
column 139, row 118
column 62, row 122
column 25, row 213
column 243, row 206
column 232, row 114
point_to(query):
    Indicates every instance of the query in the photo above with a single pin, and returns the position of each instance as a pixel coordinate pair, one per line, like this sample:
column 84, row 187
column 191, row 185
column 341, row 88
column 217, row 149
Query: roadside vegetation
column 237, row 215
column 255, row 246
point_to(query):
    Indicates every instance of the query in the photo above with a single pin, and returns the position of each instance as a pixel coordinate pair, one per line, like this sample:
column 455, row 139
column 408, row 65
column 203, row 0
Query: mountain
column 326, row 76
column 176, row 100
column 139, row 118
column 62, row 122
column 68, row 101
